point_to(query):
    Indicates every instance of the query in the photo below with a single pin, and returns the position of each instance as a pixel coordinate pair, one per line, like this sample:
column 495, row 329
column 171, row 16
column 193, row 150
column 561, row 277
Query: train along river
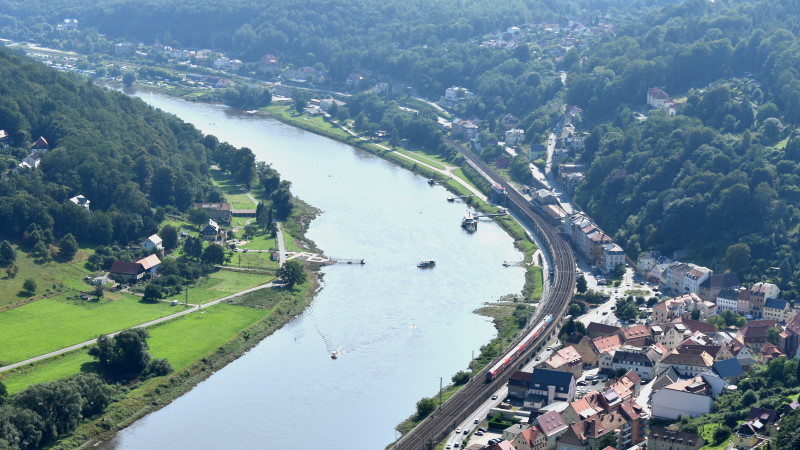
column 399, row 328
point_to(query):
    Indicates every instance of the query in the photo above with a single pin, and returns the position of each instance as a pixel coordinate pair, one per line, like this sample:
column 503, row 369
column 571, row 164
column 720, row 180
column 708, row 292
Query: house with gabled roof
column 777, row 309
column 689, row 363
column 643, row 361
column 566, row 359
column 769, row 352
column 664, row 438
column 716, row 283
column 605, row 346
column 542, row 387
column 81, row 201
column 150, row 264
column 152, row 243
column 637, row 336
column 583, row 345
column 754, row 333
column 730, row 370
column 531, row 438
column 212, row 232
column 128, row 272
column 40, row 145
column 596, row 329
column 552, row 426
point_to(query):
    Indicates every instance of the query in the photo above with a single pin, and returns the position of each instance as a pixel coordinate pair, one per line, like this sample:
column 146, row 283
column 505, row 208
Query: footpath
column 190, row 308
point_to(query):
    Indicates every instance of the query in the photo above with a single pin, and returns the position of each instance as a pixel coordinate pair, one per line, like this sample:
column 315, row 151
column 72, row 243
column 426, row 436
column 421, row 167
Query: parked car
column 479, row 433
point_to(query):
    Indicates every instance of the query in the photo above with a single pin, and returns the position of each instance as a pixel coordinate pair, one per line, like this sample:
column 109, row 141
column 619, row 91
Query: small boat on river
column 335, row 354
column 426, row 263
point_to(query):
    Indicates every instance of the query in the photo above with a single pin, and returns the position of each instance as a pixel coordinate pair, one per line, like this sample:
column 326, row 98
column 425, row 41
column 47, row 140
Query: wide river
column 399, row 328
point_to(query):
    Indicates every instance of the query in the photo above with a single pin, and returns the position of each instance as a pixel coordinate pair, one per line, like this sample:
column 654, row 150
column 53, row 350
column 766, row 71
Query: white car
column 458, row 430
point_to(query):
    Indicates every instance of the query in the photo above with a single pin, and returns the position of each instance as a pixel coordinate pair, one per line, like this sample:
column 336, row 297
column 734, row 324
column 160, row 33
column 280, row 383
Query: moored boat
column 426, row 263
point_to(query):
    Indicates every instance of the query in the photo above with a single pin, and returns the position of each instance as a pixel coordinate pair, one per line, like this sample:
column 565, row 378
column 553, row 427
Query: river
column 399, row 328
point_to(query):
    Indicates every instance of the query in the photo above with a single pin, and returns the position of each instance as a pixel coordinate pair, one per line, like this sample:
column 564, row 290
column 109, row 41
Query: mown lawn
column 50, row 324
column 220, row 284
column 252, row 259
column 421, row 158
column 182, row 341
column 263, row 241
column 50, row 277
column 189, row 338
column 233, row 194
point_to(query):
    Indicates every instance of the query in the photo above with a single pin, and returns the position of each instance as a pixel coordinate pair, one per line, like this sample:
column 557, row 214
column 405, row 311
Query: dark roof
column 601, row 328
column 729, row 294
column 624, row 356
column 763, row 414
column 552, row 378
column 665, row 434
column 126, row 268
column 775, row 303
column 721, row 280
column 729, row 368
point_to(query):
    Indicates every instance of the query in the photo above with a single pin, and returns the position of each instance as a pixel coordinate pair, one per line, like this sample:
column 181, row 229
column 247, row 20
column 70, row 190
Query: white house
column 514, row 136
column 81, row 201
column 152, row 243
column 692, row 397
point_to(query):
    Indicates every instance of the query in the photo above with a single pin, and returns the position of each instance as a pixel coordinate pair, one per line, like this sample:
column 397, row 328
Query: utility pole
column 440, row 392
column 186, row 297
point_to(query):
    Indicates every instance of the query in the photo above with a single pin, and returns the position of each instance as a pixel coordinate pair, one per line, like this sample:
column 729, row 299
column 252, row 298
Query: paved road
column 143, row 325
column 281, row 246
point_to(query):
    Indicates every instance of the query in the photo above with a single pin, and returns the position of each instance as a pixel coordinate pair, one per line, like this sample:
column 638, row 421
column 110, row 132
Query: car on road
column 604, row 313
column 458, row 430
column 477, row 420
column 494, row 397
column 549, row 349
column 245, row 250
column 466, row 430
column 581, row 383
column 448, row 447
column 538, row 358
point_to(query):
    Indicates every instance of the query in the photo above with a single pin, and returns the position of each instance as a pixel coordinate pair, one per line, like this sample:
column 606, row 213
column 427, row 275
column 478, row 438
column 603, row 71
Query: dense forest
column 134, row 163
column 719, row 180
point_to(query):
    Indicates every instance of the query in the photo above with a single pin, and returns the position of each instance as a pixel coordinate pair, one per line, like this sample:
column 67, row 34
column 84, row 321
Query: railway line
column 555, row 299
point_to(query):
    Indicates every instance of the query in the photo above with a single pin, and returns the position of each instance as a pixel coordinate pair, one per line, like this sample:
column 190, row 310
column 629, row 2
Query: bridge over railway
column 555, row 298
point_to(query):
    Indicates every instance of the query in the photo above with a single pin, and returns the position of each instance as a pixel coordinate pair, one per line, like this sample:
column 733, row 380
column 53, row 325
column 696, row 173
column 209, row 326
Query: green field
column 220, row 284
column 50, row 324
column 263, row 241
column 233, row 194
column 421, row 158
column 51, row 277
column 182, row 341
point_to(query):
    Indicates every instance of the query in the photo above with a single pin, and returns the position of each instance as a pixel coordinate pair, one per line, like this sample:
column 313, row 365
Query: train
column 519, row 348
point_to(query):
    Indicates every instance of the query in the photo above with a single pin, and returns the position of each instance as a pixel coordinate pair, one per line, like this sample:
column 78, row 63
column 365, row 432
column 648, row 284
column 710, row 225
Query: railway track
column 555, row 299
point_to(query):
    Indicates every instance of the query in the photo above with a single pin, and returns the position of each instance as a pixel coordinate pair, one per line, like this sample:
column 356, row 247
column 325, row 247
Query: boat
column 334, row 354
column 426, row 263
column 470, row 222
column 431, row 182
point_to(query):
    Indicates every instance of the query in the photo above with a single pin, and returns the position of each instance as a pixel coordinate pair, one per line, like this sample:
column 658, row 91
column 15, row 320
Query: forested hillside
column 725, row 170
column 134, row 163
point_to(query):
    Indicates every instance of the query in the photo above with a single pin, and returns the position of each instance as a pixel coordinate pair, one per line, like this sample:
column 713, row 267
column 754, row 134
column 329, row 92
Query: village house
column 530, row 439
column 552, row 426
column 597, row 329
column 150, row 264
column 761, row 423
column 605, row 347
column 643, row 361
column 729, row 370
column 212, row 232
column 583, row 345
column 663, row 438
column 790, row 337
column 612, row 256
column 219, row 212
column 269, row 64
column 728, row 300
column 515, row 136
column 682, row 306
column 778, row 310
column 625, row 423
column 692, row 397
column 566, row 359
column 758, row 295
column 754, row 333
column 659, row 99
column 465, row 129
column 152, row 243
column 689, row 364
column 5, row 139
column 81, row 201
column 716, row 283
column 542, row 387
column 127, row 272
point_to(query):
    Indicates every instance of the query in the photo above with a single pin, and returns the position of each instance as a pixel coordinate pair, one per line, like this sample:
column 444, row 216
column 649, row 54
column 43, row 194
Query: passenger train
column 518, row 349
